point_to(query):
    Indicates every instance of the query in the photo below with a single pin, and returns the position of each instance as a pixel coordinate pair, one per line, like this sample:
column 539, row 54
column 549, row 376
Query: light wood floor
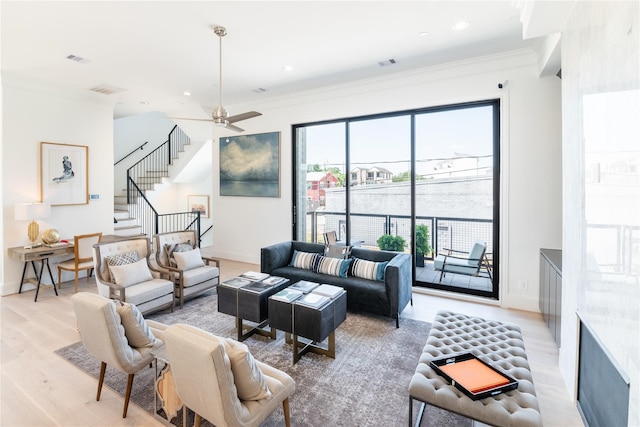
column 38, row 388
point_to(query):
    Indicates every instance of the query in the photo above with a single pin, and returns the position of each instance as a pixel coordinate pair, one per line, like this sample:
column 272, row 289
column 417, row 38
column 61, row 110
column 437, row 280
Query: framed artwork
column 250, row 165
column 64, row 174
column 198, row 204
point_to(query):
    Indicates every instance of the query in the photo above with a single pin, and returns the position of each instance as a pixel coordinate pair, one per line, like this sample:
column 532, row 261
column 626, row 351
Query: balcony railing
column 457, row 234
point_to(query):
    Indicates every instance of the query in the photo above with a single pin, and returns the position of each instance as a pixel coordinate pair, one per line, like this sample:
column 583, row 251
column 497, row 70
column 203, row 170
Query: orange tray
column 473, row 377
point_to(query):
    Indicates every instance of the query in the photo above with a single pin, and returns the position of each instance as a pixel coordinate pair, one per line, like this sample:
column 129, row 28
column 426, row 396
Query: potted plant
column 387, row 242
column 422, row 244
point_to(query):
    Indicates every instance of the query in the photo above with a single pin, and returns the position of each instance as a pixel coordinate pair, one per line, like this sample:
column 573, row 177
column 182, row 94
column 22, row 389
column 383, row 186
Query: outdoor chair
column 469, row 265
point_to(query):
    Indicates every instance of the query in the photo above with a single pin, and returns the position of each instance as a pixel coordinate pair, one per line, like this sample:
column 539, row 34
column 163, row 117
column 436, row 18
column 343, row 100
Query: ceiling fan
column 220, row 116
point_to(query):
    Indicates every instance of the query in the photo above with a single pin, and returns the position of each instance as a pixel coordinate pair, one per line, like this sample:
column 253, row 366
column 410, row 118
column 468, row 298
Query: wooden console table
column 42, row 254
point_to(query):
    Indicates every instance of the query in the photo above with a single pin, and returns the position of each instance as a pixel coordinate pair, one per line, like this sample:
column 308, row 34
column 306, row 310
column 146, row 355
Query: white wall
column 30, row 115
column 531, row 150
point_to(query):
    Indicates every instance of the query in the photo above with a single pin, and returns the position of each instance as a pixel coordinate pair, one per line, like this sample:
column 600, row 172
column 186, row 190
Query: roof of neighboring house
column 318, row 176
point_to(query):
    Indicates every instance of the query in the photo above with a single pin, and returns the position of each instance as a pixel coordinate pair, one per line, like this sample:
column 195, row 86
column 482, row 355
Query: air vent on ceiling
column 79, row 59
column 260, row 90
column 106, row 89
column 387, row 62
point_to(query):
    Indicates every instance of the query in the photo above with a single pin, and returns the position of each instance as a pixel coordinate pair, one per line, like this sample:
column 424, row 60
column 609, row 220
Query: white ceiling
column 156, row 50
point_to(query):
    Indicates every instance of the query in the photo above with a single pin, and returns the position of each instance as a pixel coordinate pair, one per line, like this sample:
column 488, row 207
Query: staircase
column 131, row 214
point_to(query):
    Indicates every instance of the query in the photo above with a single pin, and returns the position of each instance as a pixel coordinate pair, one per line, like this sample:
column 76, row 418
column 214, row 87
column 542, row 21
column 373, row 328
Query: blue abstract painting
column 250, row 165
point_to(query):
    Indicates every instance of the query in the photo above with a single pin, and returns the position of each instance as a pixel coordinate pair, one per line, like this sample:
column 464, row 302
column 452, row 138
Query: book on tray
column 330, row 291
column 287, row 295
column 254, row 275
column 236, row 282
column 472, row 376
column 313, row 300
column 304, row 286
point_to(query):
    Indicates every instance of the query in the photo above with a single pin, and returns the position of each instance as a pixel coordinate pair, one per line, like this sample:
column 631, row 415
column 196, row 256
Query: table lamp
column 32, row 212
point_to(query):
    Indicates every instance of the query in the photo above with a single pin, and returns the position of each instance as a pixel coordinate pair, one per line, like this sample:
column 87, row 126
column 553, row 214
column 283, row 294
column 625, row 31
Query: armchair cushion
column 171, row 248
column 120, row 259
column 368, row 269
column 136, row 329
column 131, row 274
column 247, row 376
column 189, row 260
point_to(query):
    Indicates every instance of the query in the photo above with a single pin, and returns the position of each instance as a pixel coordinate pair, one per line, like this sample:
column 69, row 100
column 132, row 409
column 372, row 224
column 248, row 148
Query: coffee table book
column 254, row 275
column 274, row 280
column 237, row 282
column 330, row 291
column 304, row 286
column 257, row 287
column 474, row 377
column 313, row 300
column 287, row 295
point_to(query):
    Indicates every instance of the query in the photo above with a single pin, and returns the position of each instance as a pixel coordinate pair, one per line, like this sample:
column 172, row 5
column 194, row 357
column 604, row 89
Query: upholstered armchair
column 125, row 271
column 178, row 255
column 117, row 335
column 219, row 380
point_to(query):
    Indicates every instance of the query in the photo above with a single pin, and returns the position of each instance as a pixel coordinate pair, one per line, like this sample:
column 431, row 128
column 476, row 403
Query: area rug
column 365, row 385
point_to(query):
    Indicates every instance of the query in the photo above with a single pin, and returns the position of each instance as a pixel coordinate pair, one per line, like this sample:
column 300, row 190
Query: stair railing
column 154, row 166
column 148, row 171
column 151, row 222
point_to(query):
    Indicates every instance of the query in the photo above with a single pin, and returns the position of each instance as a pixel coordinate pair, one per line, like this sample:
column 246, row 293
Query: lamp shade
column 32, row 211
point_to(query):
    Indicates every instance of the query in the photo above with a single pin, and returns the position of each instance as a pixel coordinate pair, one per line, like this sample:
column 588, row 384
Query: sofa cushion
column 248, row 378
column 136, row 329
column 170, row 248
column 304, row 260
column 120, row 259
column 333, row 266
column 368, row 269
column 189, row 260
column 337, row 251
column 131, row 274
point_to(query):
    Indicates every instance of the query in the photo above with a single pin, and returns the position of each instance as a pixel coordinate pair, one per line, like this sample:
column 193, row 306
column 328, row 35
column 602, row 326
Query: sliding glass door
column 425, row 182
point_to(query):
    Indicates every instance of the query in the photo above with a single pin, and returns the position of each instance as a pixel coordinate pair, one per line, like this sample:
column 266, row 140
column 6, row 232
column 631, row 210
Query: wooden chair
column 83, row 256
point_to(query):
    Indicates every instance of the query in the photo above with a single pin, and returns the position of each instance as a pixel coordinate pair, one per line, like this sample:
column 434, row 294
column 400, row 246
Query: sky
column 385, row 141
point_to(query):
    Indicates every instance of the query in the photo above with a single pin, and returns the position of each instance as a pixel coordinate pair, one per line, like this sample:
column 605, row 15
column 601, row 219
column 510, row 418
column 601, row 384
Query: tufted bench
column 499, row 344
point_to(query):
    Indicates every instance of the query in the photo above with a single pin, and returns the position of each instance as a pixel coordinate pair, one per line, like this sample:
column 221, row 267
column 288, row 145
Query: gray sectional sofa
column 386, row 298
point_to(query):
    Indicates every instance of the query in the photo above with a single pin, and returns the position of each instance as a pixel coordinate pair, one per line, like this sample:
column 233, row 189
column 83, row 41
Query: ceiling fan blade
column 186, row 118
column 234, row 127
column 243, row 116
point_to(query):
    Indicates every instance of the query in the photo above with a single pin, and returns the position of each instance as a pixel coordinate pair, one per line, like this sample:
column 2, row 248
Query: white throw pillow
column 188, row 260
column 120, row 259
column 131, row 274
column 136, row 329
column 248, row 378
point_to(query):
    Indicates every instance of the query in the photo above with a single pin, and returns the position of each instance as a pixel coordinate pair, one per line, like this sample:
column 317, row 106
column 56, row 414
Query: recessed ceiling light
column 423, row 33
column 185, row 93
column 287, row 68
column 460, row 25
column 144, row 102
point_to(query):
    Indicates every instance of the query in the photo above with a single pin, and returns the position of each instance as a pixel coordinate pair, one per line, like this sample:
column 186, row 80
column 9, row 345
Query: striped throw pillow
column 333, row 266
column 304, row 260
column 368, row 269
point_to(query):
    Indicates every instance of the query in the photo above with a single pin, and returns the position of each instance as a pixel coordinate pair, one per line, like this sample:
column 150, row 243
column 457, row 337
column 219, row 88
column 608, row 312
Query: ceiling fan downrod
column 220, row 113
